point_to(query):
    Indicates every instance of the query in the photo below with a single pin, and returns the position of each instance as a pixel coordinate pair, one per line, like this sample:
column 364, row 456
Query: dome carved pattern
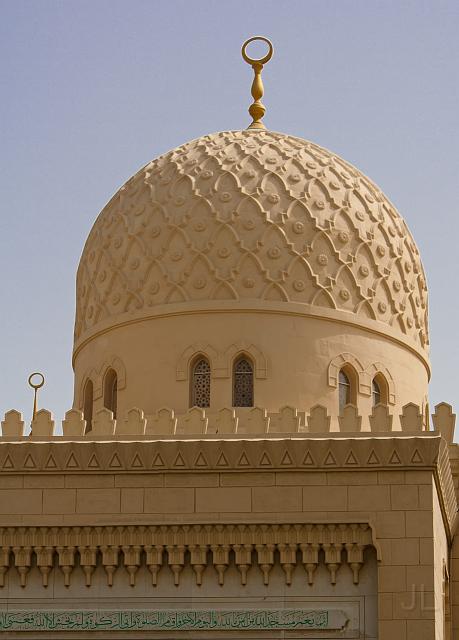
column 246, row 215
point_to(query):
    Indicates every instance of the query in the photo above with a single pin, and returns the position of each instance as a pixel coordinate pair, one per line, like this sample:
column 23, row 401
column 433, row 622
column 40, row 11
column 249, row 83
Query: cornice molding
column 251, row 454
column 427, row 452
column 304, row 310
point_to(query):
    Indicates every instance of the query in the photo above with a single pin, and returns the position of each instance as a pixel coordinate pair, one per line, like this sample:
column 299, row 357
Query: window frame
column 193, row 375
column 88, row 403
column 243, row 357
column 111, row 391
column 350, row 373
column 380, row 381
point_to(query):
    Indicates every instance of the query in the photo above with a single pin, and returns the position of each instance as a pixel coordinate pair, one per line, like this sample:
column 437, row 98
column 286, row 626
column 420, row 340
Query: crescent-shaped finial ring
column 263, row 60
column 36, row 385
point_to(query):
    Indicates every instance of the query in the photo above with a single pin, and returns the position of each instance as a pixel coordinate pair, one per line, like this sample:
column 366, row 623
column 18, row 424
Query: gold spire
column 257, row 109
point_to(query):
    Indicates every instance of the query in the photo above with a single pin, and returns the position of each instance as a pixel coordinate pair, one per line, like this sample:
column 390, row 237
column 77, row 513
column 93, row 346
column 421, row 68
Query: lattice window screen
column 200, row 381
column 243, row 384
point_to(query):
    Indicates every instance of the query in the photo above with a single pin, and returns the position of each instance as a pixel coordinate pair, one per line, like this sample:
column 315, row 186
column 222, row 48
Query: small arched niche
column 111, row 391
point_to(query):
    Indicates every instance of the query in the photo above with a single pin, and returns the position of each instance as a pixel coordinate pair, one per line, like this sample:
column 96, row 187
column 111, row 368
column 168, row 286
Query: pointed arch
column 323, row 299
column 91, row 374
column 257, row 357
column 111, row 391
column 345, row 281
column 224, row 291
column 200, row 382
column 243, row 387
column 117, row 365
column 381, row 374
column 272, row 183
column 176, row 294
column 88, row 403
column 194, row 352
column 349, row 363
column 251, row 277
column 317, row 190
column 348, row 381
column 366, row 310
column 378, row 391
column 276, row 292
column 227, row 181
column 344, row 390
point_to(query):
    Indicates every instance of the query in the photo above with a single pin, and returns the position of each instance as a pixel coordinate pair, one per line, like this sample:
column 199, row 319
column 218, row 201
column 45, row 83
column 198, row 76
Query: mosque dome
column 252, row 218
column 258, row 248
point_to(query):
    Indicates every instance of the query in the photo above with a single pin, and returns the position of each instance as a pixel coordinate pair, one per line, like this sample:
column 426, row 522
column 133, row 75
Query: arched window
column 375, row 392
column 243, row 383
column 344, row 391
column 111, row 391
column 88, row 396
column 347, row 385
column 200, row 383
column 379, row 390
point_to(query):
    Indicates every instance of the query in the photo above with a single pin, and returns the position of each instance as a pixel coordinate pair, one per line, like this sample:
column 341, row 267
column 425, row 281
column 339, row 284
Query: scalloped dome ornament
column 252, row 219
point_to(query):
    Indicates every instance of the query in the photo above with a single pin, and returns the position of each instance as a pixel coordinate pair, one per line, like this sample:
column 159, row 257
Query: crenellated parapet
column 236, row 422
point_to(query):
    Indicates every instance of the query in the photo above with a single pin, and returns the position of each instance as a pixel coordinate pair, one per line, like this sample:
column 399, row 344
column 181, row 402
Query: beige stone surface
column 98, row 500
column 262, row 245
column 178, row 187
column 225, row 499
column 180, row 500
column 233, row 261
column 57, row 501
column 407, row 510
column 287, row 379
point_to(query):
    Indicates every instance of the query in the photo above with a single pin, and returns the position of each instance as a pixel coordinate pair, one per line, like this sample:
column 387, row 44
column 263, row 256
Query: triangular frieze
column 158, row 461
column 373, row 458
column 265, row 460
column 351, row 459
column 201, row 460
column 8, row 464
column 115, row 462
column 286, row 460
column 137, row 462
column 72, row 462
column 308, row 460
column 93, row 462
column 179, row 461
column 29, row 462
column 416, row 458
column 330, row 460
column 243, row 460
column 50, row 462
column 222, row 460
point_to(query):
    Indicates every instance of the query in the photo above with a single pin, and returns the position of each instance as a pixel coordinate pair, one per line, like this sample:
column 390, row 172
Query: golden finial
column 257, row 109
column 35, row 386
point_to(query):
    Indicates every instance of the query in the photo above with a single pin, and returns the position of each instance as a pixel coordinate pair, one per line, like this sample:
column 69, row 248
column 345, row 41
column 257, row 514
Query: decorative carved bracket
column 177, row 546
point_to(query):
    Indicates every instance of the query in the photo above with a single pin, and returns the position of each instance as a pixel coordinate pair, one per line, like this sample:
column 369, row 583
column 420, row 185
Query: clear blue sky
column 92, row 90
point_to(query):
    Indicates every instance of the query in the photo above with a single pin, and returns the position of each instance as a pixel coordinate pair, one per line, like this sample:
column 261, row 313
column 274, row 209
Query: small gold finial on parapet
column 35, row 386
column 257, row 109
